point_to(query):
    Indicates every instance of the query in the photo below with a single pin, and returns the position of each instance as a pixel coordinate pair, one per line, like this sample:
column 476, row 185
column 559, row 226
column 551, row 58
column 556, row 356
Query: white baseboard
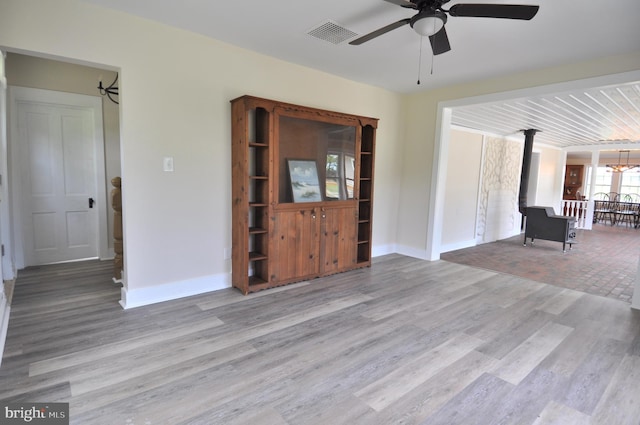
column 380, row 250
column 4, row 323
column 137, row 297
column 458, row 245
column 131, row 298
column 412, row 252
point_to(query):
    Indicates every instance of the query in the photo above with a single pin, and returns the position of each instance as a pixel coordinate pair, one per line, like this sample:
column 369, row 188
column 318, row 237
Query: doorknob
column 91, row 201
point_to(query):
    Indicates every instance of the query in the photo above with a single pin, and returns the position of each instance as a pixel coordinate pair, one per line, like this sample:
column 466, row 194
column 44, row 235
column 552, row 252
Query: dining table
column 617, row 212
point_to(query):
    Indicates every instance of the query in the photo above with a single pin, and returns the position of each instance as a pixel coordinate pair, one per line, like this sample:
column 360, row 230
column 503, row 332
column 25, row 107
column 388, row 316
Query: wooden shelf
column 275, row 240
column 257, row 256
column 257, row 283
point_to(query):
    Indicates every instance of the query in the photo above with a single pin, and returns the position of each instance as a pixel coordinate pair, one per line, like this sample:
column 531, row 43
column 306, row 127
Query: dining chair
column 601, row 207
column 625, row 210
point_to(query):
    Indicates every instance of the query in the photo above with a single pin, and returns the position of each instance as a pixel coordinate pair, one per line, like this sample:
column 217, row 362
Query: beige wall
column 550, row 177
column 34, row 72
column 461, row 196
column 175, row 90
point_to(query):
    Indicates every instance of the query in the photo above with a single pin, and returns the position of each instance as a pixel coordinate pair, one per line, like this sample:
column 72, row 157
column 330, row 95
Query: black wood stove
column 543, row 223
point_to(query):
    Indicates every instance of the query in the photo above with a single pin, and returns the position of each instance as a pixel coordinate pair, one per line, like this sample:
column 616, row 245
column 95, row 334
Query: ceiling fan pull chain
column 434, row 31
column 420, row 60
column 432, row 56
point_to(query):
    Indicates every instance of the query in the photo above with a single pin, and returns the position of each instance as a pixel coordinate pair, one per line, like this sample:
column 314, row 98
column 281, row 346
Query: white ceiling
column 563, row 31
column 597, row 116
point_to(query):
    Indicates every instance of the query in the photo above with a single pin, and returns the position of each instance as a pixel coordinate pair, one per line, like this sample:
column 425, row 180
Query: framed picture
column 305, row 186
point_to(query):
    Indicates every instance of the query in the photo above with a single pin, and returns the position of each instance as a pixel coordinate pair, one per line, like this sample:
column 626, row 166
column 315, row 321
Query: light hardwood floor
column 404, row 342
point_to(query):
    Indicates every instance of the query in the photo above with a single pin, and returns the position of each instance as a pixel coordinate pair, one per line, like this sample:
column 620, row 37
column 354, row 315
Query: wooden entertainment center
column 302, row 192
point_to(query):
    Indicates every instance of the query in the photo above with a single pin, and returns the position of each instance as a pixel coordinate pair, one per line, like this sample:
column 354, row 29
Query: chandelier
column 620, row 167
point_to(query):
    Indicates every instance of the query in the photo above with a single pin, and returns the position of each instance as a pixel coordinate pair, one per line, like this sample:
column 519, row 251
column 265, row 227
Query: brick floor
column 603, row 262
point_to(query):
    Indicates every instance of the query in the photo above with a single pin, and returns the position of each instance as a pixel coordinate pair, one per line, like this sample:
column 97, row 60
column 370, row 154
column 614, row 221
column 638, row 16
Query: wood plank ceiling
column 598, row 116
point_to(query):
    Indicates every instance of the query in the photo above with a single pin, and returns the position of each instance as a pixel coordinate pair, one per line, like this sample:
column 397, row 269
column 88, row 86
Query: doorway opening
column 64, row 138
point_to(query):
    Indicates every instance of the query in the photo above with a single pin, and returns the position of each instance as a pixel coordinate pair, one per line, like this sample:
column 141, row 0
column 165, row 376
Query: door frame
column 94, row 103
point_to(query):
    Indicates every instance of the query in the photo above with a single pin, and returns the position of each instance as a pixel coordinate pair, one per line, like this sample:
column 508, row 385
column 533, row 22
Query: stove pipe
column 526, row 168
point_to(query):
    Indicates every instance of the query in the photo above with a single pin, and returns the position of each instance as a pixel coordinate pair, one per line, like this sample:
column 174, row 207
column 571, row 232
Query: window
column 602, row 183
column 340, row 175
column 630, row 182
column 349, row 172
column 333, row 178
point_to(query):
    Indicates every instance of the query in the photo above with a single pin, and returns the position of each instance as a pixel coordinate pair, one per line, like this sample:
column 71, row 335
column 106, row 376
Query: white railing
column 579, row 210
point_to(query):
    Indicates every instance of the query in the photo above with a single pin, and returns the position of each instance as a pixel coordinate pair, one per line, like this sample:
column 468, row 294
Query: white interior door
column 57, row 160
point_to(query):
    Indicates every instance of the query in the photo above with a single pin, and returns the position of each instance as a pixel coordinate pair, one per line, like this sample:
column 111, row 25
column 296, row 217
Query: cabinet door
column 296, row 245
column 339, row 242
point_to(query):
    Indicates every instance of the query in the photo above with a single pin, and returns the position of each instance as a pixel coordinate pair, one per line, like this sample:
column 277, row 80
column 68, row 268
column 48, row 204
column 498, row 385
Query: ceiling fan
column 431, row 18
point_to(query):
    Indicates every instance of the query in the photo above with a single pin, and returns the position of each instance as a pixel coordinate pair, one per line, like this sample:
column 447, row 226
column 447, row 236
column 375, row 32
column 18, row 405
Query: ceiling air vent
column 331, row 32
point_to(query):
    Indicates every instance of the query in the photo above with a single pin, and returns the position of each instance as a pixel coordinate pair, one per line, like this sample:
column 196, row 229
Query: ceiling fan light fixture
column 428, row 22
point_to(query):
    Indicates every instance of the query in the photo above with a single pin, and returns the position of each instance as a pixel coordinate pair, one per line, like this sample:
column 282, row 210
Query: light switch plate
column 167, row 163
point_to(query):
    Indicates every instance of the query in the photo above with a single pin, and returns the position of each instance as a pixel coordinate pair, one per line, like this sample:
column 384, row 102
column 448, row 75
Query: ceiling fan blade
column 403, row 3
column 440, row 42
column 379, row 32
column 506, row 11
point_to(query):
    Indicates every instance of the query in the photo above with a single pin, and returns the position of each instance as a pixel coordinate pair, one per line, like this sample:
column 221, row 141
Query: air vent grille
column 332, row 32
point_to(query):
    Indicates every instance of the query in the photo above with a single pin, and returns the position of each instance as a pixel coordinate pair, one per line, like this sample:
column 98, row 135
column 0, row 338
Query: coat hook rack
column 112, row 90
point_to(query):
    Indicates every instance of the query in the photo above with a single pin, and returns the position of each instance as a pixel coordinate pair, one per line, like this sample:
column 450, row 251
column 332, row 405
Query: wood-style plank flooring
column 404, row 342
